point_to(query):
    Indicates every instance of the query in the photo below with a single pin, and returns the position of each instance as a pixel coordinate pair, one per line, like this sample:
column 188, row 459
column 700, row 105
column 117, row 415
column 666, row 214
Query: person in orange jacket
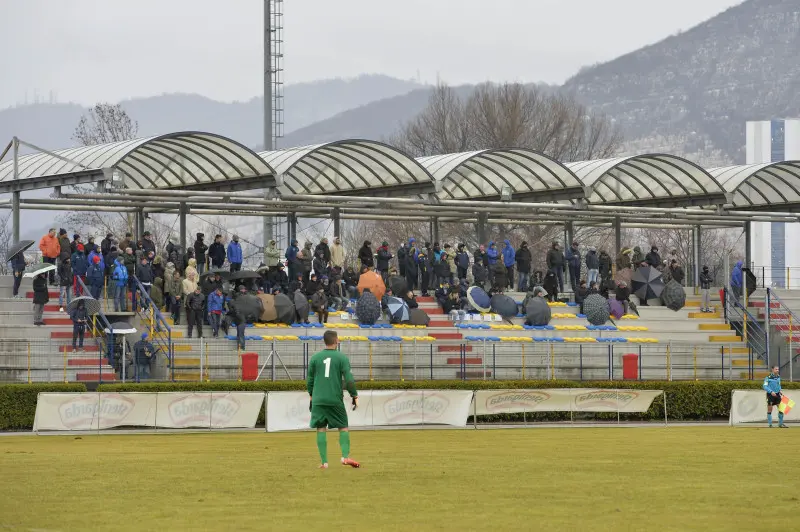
column 50, row 250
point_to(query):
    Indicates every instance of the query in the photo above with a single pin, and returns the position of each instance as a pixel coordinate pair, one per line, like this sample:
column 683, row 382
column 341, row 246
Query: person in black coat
column 623, row 295
column 653, row 258
column 41, row 296
column 524, row 260
column 325, row 249
column 384, row 257
column 216, row 252
column 200, row 249
column 402, row 252
column 550, row 284
column 365, row 255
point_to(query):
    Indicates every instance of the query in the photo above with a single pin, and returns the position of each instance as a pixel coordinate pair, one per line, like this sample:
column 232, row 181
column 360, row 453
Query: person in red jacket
column 50, row 249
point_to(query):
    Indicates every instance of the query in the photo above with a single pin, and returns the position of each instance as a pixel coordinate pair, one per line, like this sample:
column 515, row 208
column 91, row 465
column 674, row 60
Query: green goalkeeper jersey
column 326, row 371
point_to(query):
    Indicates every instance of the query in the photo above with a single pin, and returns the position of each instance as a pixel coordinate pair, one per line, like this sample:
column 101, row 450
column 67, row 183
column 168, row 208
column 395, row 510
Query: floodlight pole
column 268, row 221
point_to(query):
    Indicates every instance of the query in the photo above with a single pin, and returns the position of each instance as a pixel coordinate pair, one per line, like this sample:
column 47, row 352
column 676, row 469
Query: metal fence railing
column 784, row 278
column 746, row 324
column 159, row 330
column 204, row 360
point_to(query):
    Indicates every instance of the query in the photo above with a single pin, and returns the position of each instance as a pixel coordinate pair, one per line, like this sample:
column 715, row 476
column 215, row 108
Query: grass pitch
column 703, row 478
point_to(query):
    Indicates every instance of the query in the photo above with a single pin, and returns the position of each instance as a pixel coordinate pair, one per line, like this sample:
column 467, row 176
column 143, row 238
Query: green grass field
column 702, row 478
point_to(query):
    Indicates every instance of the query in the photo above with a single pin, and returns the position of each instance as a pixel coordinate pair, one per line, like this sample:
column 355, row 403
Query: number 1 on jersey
column 327, row 363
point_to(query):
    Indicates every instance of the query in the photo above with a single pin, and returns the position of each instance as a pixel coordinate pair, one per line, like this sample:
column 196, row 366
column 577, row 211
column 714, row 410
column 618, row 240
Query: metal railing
column 746, row 325
column 104, row 341
column 780, row 317
column 160, row 332
column 787, row 278
column 203, row 360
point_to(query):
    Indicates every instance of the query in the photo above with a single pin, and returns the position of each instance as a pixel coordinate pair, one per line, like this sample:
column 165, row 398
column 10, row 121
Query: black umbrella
column 673, row 296
column 284, row 308
column 18, row 248
column 595, row 307
column 91, row 305
column 243, row 275
column 223, row 274
column 368, row 309
column 417, row 316
column 647, row 283
column 537, row 312
column 399, row 285
column 504, row 305
column 301, row 304
column 248, row 307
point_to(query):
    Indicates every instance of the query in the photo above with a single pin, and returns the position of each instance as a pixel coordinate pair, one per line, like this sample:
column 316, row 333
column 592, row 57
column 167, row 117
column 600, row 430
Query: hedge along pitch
column 18, row 402
column 686, row 400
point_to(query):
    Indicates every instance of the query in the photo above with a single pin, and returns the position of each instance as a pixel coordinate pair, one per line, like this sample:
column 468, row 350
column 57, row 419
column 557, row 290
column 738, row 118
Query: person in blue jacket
column 772, row 385
column 95, row 274
column 291, row 259
column 235, row 254
column 80, row 264
column 120, row 277
column 509, row 260
column 736, row 279
column 215, row 303
column 96, row 253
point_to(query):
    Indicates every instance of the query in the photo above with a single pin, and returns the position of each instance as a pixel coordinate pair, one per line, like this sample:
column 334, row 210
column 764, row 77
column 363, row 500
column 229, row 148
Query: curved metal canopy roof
column 188, row 159
column 652, row 179
column 768, row 186
column 483, row 174
column 348, row 167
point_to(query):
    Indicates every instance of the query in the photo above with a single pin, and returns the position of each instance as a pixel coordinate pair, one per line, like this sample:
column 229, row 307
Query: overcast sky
column 108, row 50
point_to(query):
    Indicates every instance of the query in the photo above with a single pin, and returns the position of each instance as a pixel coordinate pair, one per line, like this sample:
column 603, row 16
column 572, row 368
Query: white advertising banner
column 216, row 410
column 94, row 411
column 290, row 410
column 489, row 402
column 750, row 406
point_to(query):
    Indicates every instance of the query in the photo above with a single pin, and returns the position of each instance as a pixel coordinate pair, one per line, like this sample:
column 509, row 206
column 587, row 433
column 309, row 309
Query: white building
column 774, row 246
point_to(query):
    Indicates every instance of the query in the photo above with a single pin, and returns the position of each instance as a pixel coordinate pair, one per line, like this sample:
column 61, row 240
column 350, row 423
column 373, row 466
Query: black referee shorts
column 773, row 400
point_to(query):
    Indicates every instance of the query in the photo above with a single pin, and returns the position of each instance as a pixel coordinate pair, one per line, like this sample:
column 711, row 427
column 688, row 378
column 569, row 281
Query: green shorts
column 330, row 416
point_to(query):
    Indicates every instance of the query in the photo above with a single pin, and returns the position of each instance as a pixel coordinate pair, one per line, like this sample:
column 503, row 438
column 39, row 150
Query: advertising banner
column 96, row 411
column 489, row 402
column 750, row 406
column 290, row 410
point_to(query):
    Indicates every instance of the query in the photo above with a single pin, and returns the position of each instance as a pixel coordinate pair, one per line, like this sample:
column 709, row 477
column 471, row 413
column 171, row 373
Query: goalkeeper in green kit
column 326, row 371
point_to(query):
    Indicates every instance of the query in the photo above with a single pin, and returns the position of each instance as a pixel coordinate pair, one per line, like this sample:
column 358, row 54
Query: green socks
column 322, row 445
column 344, row 443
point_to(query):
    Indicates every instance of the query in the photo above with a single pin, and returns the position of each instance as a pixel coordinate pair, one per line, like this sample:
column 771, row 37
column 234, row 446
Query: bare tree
column 105, row 123
column 510, row 115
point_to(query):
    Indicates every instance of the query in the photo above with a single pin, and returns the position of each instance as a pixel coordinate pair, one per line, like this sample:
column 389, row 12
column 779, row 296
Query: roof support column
column 269, row 221
column 336, row 217
column 140, row 224
column 617, row 236
column 483, row 237
column 569, row 234
column 696, row 253
column 182, row 223
column 748, row 244
column 435, row 229
column 291, row 227
column 15, row 195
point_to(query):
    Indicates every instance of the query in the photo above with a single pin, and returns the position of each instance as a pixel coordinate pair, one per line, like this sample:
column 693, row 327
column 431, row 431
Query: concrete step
column 756, row 374
column 713, row 327
column 473, row 374
column 469, row 360
column 724, row 339
column 453, row 348
column 95, row 376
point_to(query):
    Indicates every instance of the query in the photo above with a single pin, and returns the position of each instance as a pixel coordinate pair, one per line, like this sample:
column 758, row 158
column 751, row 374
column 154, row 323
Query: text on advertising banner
column 289, row 410
column 750, row 406
column 93, row 411
column 563, row 400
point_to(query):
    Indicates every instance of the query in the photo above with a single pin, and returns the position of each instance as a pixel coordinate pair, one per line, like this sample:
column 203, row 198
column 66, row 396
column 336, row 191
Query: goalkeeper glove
column 355, row 402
